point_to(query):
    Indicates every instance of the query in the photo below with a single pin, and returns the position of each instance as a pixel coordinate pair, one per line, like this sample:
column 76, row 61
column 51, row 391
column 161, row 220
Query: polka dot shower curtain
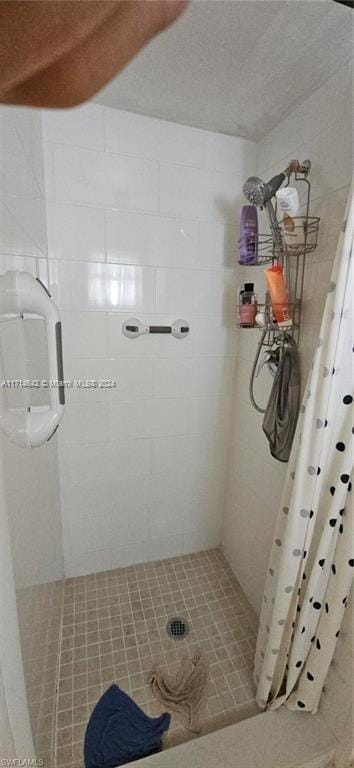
column 311, row 566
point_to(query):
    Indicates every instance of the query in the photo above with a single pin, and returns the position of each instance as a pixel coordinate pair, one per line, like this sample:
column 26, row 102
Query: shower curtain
column 312, row 562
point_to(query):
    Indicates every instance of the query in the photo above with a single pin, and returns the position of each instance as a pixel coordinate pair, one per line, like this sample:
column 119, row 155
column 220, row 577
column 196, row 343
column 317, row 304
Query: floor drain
column 177, row 627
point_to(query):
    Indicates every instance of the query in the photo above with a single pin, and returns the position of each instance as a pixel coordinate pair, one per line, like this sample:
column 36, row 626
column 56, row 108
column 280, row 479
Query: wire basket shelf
column 263, row 249
column 267, row 321
column 299, row 236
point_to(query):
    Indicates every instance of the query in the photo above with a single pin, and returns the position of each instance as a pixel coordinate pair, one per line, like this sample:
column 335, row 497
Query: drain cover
column 177, row 627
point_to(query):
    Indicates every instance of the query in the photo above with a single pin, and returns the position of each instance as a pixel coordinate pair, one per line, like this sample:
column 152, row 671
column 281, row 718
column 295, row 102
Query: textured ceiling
column 237, row 67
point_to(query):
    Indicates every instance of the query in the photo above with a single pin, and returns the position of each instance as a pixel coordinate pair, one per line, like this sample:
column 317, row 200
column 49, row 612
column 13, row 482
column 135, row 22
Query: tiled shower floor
column 114, row 627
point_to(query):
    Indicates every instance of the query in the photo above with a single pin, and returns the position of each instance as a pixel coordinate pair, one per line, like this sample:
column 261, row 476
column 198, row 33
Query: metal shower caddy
column 273, row 248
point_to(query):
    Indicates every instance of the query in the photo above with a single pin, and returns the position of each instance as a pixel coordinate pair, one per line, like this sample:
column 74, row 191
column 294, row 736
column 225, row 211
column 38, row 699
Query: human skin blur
column 59, row 53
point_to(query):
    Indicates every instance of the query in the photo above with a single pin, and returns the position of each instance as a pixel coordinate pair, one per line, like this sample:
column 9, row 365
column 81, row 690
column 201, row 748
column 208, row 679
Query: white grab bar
column 21, row 293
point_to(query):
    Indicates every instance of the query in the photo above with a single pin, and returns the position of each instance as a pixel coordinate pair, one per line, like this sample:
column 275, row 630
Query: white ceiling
column 238, row 66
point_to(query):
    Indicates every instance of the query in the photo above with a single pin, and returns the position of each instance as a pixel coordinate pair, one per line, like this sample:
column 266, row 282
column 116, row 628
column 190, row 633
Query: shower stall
column 141, row 532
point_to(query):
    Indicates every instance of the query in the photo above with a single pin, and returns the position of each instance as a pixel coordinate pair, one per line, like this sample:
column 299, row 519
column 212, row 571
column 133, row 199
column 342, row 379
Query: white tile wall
column 82, row 127
column 75, row 232
column 196, row 193
column 31, row 478
column 93, row 285
column 23, row 246
column 139, row 136
column 146, row 240
column 104, row 180
column 319, row 129
column 142, row 222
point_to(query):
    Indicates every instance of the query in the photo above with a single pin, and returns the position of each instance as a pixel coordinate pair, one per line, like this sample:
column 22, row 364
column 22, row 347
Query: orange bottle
column 278, row 295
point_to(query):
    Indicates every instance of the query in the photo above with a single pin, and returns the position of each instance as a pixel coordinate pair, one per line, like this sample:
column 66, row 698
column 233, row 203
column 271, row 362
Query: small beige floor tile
column 114, row 628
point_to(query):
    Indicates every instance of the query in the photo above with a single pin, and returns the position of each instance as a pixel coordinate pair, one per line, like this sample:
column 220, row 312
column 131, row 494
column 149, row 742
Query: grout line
column 57, row 682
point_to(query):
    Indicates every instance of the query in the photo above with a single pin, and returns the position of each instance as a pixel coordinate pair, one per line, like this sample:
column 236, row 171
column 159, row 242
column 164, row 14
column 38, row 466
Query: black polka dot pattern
column 315, row 525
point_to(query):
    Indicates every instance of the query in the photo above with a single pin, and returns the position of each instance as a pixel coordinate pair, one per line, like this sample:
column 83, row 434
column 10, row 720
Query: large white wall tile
column 188, row 452
column 121, row 505
column 84, row 334
column 229, row 154
column 217, row 244
column 176, row 292
column 170, row 453
column 103, row 461
column 17, row 176
column 212, row 338
column 186, row 502
column 197, row 194
column 212, row 376
column 75, row 232
column 195, row 377
column 48, row 163
column 215, row 293
column 24, row 263
column 14, row 237
column 134, row 238
column 132, row 134
column 209, row 414
column 145, row 551
column 149, row 418
column 194, row 292
column 126, row 241
column 123, row 288
column 31, row 478
column 28, row 215
column 104, row 180
column 198, row 541
column 173, row 378
column 81, row 126
column 112, row 379
column 89, row 562
column 162, row 547
column 84, row 423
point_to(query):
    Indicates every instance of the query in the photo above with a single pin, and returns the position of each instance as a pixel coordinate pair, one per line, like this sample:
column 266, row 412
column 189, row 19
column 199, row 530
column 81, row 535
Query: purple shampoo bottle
column 248, row 242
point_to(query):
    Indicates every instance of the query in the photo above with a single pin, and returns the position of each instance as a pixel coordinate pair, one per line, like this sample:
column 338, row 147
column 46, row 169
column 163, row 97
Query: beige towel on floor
column 187, row 691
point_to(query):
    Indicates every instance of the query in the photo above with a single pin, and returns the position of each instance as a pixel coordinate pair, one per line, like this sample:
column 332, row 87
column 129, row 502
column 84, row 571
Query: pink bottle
column 248, row 306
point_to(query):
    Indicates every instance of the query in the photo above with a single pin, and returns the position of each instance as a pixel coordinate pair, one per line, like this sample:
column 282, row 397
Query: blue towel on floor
column 119, row 732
